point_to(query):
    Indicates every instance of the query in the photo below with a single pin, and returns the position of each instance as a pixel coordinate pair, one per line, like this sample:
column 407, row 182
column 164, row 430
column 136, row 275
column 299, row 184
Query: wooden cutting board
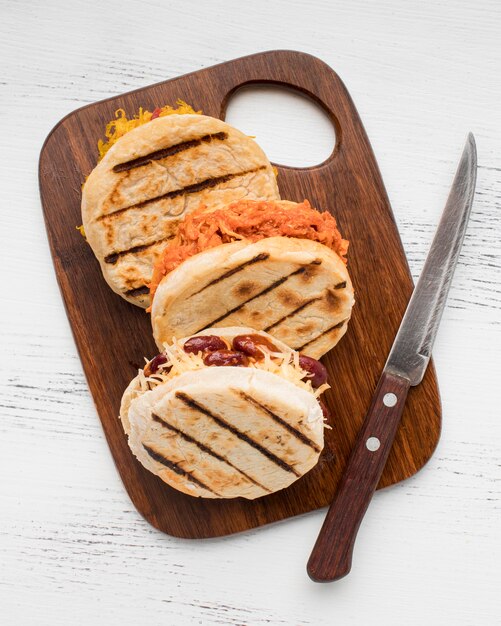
column 113, row 336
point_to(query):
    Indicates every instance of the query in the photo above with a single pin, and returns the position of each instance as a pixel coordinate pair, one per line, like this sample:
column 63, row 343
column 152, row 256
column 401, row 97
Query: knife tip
column 471, row 148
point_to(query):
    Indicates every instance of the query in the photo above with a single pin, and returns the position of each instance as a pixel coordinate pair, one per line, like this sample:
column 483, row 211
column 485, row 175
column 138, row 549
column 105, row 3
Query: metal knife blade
column 411, row 350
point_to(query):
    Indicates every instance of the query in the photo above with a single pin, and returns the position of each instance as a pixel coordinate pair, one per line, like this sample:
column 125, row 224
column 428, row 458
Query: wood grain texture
column 74, row 549
column 113, row 336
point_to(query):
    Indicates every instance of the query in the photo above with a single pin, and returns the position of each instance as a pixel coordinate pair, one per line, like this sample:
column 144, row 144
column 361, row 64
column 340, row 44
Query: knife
column 407, row 362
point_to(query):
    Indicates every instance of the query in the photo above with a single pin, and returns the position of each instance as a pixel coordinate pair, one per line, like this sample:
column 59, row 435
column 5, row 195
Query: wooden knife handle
column 332, row 553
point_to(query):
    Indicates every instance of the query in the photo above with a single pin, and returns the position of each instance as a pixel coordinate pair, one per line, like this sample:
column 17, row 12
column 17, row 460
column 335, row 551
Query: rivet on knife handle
column 331, row 556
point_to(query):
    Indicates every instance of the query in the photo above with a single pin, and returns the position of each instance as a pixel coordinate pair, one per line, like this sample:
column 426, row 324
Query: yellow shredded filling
column 122, row 124
column 81, row 230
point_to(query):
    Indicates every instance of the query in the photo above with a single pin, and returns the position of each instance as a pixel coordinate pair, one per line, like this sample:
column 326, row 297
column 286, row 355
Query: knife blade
column 405, row 367
column 411, row 350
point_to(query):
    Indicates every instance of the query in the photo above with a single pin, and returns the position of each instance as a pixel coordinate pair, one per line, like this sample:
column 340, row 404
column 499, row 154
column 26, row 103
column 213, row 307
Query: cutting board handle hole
column 290, row 127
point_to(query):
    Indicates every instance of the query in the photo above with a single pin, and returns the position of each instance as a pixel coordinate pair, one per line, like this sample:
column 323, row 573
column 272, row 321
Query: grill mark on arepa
column 294, row 312
column 166, row 152
column 137, row 291
column 260, row 257
column 297, row 433
column 222, row 423
column 156, row 456
column 206, row 449
column 194, row 188
column 114, row 256
column 266, row 290
column 321, row 335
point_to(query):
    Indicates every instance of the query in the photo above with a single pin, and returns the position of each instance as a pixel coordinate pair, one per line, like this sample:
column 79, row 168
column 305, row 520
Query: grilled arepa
column 153, row 176
column 225, row 432
column 297, row 290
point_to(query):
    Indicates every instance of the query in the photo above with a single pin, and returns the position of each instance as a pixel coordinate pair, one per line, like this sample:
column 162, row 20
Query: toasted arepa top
column 298, row 290
column 222, row 432
column 151, row 177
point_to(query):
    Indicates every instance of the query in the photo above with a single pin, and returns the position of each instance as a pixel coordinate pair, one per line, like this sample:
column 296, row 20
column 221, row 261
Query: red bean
column 225, row 357
column 316, row 371
column 203, row 343
column 154, row 364
column 249, row 344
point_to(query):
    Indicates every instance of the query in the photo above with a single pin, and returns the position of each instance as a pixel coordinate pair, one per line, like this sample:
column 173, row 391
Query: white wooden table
column 73, row 550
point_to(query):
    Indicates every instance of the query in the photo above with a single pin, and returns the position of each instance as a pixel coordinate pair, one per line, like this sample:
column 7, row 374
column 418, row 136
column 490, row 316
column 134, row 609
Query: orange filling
column 251, row 220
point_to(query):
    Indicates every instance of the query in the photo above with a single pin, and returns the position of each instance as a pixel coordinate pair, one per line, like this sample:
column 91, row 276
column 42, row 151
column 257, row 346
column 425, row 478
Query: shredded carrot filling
column 251, row 220
column 121, row 125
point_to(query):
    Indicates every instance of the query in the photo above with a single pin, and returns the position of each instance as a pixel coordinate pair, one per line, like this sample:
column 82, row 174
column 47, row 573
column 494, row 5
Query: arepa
column 297, row 290
column 225, row 432
column 153, row 176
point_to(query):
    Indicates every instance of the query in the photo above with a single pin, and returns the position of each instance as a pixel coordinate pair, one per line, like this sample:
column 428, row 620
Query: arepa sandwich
column 228, row 412
column 151, row 177
column 276, row 266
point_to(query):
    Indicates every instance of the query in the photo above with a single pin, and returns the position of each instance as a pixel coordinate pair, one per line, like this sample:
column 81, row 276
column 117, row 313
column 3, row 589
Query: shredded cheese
column 284, row 364
column 122, row 124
